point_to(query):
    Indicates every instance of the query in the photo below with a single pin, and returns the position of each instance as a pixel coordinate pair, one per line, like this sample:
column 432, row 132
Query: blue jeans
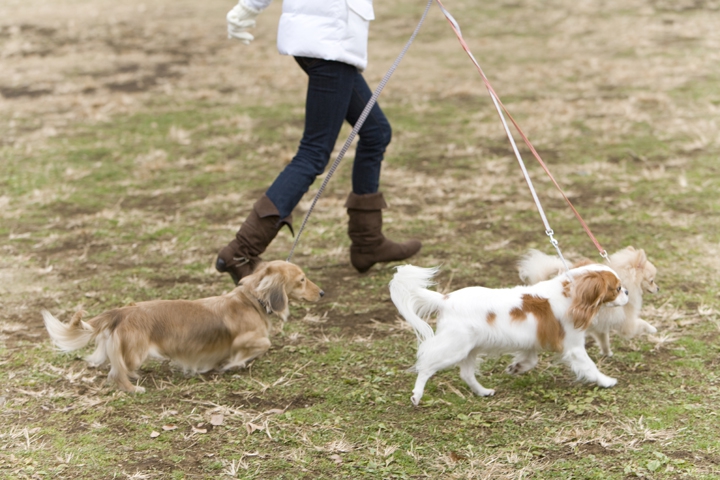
column 336, row 92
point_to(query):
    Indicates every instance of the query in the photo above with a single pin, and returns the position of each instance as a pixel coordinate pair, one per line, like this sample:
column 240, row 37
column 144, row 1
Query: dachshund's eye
column 302, row 279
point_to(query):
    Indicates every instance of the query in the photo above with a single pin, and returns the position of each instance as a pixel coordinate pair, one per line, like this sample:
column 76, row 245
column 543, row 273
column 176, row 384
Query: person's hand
column 239, row 20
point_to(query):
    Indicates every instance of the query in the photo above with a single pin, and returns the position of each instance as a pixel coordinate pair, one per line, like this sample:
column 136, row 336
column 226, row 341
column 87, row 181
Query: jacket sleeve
column 257, row 4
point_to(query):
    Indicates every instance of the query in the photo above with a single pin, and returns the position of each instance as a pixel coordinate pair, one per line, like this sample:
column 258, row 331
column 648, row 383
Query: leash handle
column 498, row 105
column 356, row 128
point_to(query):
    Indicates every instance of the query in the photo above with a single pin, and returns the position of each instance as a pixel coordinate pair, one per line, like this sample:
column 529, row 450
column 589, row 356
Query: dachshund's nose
column 322, row 293
column 627, row 292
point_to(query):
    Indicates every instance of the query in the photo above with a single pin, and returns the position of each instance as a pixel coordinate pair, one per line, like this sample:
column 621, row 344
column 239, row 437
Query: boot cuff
column 369, row 201
column 264, row 207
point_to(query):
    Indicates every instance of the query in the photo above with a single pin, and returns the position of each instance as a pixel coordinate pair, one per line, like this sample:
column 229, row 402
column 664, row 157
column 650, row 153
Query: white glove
column 239, row 20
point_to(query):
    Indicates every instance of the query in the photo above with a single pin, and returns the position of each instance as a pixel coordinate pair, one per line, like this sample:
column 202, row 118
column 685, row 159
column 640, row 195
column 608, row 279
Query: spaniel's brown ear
column 271, row 290
column 588, row 294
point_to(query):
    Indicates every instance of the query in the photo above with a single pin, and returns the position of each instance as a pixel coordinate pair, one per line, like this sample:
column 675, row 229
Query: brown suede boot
column 369, row 246
column 240, row 257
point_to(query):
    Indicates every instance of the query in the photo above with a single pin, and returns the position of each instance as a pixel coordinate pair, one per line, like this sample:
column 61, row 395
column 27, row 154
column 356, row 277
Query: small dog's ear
column 587, row 297
column 640, row 259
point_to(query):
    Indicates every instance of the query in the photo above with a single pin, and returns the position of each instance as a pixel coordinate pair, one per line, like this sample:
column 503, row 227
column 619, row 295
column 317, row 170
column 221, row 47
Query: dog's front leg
column 245, row 350
column 641, row 326
column 585, row 369
column 603, row 341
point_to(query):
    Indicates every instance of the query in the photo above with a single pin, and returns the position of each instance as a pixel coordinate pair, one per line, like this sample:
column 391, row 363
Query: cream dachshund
column 221, row 332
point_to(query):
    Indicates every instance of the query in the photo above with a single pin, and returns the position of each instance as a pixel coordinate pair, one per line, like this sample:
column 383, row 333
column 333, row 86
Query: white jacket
column 328, row 29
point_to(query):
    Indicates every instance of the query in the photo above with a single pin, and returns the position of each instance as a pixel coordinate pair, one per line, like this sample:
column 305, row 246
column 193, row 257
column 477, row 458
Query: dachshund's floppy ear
column 588, row 295
column 271, row 291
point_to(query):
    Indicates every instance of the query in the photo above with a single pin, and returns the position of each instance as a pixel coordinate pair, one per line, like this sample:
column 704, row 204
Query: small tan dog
column 222, row 332
column 637, row 274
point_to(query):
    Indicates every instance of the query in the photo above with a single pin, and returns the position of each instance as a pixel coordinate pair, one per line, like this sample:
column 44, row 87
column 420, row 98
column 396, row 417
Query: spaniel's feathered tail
column 409, row 293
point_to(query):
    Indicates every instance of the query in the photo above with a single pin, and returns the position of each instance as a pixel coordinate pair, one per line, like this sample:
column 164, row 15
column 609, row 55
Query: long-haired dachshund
column 200, row 335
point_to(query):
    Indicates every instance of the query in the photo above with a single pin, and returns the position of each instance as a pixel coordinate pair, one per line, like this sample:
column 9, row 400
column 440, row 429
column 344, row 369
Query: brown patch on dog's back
column 491, row 316
column 550, row 333
column 517, row 314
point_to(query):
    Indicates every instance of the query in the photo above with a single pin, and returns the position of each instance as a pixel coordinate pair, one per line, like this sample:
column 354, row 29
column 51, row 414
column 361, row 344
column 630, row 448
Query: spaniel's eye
column 619, row 288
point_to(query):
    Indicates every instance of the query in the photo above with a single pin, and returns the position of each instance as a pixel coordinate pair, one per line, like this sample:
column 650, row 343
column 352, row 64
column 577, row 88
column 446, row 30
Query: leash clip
column 550, row 234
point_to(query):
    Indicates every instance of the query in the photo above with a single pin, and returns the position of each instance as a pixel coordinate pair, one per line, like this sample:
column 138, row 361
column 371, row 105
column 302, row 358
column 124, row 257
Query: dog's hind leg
column 419, row 388
column 467, row 373
column 99, row 356
column 124, row 362
column 120, row 374
column 435, row 354
column 523, row 362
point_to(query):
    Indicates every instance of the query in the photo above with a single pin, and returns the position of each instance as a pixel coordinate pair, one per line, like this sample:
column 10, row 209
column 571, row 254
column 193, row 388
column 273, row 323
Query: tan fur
column 638, row 275
column 491, row 318
column 221, row 332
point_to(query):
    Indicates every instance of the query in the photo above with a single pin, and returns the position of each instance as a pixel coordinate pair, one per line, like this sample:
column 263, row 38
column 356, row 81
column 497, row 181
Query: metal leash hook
column 556, row 244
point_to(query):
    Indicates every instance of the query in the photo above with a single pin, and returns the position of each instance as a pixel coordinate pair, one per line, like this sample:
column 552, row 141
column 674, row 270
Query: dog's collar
column 263, row 304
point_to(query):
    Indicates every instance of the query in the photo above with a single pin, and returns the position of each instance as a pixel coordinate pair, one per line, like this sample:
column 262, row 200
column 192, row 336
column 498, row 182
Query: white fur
column 463, row 330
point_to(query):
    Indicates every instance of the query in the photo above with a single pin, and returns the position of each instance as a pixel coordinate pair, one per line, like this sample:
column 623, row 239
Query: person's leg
column 329, row 88
column 373, row 138
column 364, row 204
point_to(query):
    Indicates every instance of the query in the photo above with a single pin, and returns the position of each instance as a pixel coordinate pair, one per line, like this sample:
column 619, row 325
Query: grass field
column 134, row 139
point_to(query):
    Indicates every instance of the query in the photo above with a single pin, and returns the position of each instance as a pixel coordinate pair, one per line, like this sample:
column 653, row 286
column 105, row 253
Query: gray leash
column 363, row 116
